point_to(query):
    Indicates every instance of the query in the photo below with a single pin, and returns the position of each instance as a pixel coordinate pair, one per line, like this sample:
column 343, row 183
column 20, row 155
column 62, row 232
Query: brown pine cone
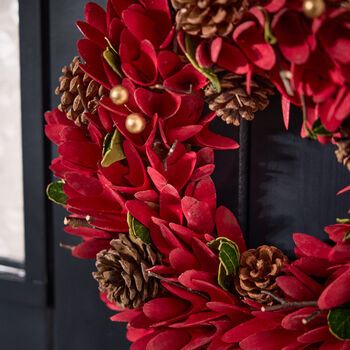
column 233, row 102
column 343, row 143
column 207, row 18
column 258, row 271
column 71, row 81
column 343, row 151
column 122, row 272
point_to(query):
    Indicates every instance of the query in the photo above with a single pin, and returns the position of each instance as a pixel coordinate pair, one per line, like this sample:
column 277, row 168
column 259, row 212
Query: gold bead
column 119, row 95
column 135, row 123
column 313, row 8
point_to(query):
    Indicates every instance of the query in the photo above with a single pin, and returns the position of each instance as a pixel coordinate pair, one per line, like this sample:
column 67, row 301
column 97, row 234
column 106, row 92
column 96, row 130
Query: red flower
column 135, row 29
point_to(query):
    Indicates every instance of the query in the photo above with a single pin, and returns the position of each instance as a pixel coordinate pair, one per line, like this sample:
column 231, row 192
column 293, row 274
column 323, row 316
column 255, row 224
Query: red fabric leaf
column 161, row 309
column 311, row 246
column 268, row 340
column 171, row 339
column 294, row 288
column 228, row 226
column 245, row 329
column 170, row 204
column 141, row 211
column 182, row 260
column 337, row 293
column 198, row 215
column 88, row 249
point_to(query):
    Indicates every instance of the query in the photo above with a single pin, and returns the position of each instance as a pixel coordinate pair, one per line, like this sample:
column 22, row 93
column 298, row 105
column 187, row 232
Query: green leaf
column 347, row 236
column 224, row 282
column 229, row 257
column 55, row 193
column 319, row 129
column 190, row 47
column 343, row 221
column 339, row 322
column 112, row 150
column 113, row 59
column 268, row 35
column 309, row 132
column 138, row 230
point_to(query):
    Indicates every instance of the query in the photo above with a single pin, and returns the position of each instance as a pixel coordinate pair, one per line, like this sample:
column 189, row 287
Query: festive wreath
column 173, row 264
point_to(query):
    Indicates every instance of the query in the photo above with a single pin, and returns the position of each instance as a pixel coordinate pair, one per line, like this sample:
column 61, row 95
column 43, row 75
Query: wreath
column 136, row 156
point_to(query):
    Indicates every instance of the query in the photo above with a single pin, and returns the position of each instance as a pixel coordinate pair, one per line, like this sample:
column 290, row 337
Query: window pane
column 11, row 181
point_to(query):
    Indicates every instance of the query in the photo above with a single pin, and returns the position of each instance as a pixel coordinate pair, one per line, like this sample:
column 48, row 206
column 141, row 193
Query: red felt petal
column 209, row 139
column 204, row 171
column 337, row 293
column 316, row 335
column 169, row 340
column 198, row 215
column 205, row 156
column 81, row 153
column 140, row 24
column 228, row 56
column 247, row 328
column 186, row 78
column 84, row 184
column 161, row 309
column 252, row 42
column 314, row 286
column 184, row 233
column 92, row 34
column 179, row 172
column 207, row 259
column 88, row 232
column 197, row 319
column 182, row 260
column 168, row 63
column 228, row 226
column 293, row 321
column 285, row 110
column 312, row 266
column 96, row 16
column 158, row 179
column 91, row 54
column 292, row 34
column 294, row 288
column 170, row 204
column 205, row 191
column 89, row 248
column 337, row 232
column 141, row 211
column 311, row 246
column 269, row 340
column 203, row 55
column 164, row 104
column 182, row 133
column 148, row 195
column 339, row 254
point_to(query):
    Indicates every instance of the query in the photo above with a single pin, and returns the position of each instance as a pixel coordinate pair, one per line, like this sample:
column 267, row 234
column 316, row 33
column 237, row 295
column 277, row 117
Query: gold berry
column 313, row 8
column 119, row 95
column 135, row 123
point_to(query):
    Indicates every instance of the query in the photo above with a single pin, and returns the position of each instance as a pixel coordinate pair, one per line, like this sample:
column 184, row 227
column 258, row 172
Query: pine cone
column 122, row 272
column 343, row 151
column 207, row 18
column 234, row 102
column 71, row 81
column 258, row 271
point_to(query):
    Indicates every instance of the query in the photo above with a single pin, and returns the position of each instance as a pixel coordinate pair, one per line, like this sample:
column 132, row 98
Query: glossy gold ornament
column 119, row 95
column 135, row 123
column 313, row 8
